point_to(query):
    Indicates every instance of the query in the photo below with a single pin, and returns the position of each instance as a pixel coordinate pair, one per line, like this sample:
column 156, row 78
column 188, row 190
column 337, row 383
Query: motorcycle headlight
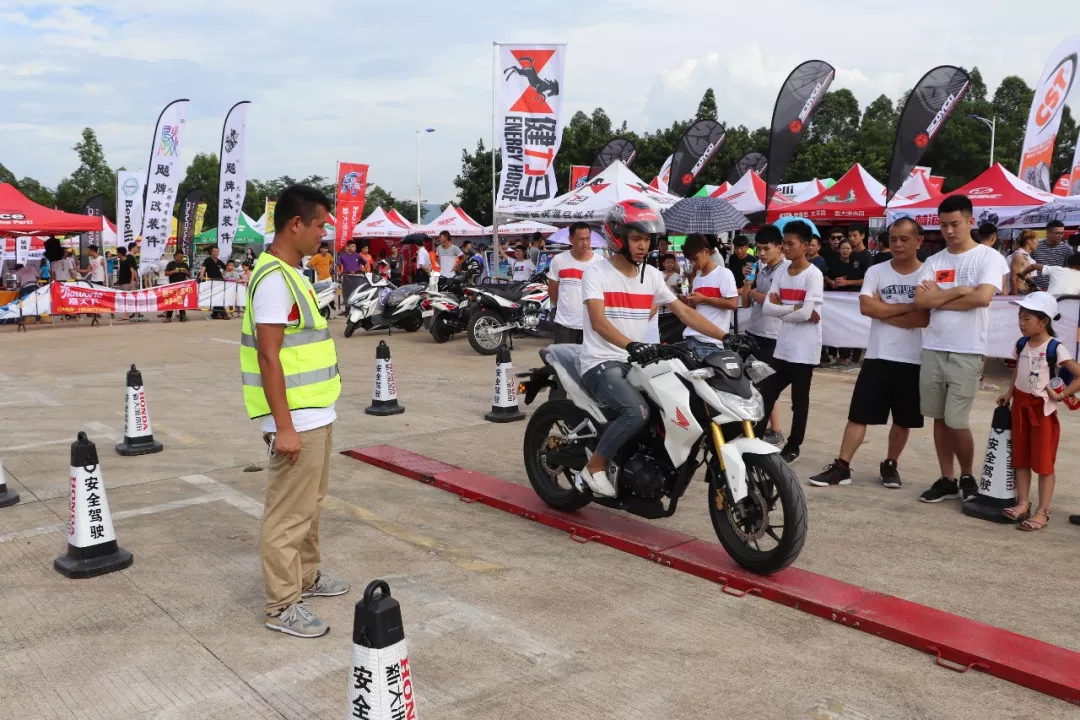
column 751, row 408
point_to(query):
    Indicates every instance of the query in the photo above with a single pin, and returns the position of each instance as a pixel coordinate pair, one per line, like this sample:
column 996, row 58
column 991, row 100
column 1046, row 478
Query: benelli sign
column 1053, row 91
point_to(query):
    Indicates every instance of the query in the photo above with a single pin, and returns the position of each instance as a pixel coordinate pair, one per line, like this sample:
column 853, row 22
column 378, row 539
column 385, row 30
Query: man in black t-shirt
column 861, row 257
column 178, row 271
column 127, row 272
column 213, row 269
column 740, row 262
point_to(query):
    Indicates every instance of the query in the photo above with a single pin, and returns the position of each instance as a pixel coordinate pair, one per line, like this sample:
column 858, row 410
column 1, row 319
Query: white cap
column 1042, row 302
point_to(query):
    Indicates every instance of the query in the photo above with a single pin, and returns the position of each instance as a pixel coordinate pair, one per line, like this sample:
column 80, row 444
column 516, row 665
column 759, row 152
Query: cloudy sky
column 352, row 79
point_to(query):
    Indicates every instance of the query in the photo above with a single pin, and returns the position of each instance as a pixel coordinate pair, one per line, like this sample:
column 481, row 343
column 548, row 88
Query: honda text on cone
column 290, row 373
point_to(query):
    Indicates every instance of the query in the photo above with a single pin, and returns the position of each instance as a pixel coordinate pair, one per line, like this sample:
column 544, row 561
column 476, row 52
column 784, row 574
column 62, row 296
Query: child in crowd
column 1035, row 427
column 245, row 272
column 231, row 275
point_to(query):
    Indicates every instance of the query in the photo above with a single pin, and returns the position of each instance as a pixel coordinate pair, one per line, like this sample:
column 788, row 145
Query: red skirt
column 1034, row 435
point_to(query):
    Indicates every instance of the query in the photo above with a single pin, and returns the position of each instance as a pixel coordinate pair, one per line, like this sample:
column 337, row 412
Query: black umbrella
column 415, row 239
column 707, row 215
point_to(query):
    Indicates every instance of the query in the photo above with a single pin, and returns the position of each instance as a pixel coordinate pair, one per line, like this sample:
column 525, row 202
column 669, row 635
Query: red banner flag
column 579, row 175
column 351, row 191
column 72, row 299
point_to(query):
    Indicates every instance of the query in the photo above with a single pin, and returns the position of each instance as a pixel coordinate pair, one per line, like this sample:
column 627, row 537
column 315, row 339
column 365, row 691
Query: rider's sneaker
column 297, row 620
column 790, row 455
column 774, row 437
column 325, row 585
column 597, row 482
column 890, row 475
column 942, row 489
column 837, row 472
column 969, row 489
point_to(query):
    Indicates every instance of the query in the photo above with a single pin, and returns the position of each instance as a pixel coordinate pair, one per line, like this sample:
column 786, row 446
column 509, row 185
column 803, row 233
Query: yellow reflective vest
column 308, row 356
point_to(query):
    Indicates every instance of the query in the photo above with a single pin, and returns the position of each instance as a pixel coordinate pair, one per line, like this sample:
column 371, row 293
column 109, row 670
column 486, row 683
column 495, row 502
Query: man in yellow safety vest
column 290, row 373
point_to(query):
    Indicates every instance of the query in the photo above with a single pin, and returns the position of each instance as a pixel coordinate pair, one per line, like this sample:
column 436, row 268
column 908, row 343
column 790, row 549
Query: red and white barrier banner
column 72, row 299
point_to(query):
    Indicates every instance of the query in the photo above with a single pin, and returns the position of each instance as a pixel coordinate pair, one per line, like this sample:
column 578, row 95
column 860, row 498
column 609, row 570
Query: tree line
column 840, row 135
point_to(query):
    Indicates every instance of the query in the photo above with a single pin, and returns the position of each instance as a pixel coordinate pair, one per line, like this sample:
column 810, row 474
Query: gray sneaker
column 325, row 585
column 297, row 620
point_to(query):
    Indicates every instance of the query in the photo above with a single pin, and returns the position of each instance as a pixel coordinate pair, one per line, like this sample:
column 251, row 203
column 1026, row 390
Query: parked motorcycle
column 701, row 413
column 376, row 304
column 500, row 310
column 326, row 296
column 451, row 306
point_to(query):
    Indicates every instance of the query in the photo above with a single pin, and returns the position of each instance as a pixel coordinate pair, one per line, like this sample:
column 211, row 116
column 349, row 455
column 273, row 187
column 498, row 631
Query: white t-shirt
column 761, row 324
column 97, row 269
column 720, row 283
column 567, row 272
column 523, row 269
column 64, row 269
column 799, row 342
column 888, row 342
column 628, row 302
column 1033, row 371
column 1063, row 281
column 273, row 304
column 962, row 331
column 423, row 258
column 447, row 259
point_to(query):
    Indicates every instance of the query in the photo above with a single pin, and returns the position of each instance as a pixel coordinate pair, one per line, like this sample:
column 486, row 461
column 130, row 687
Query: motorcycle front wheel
column 546, row 432
column 481, row 335
column 765, row 531
column 350, row 328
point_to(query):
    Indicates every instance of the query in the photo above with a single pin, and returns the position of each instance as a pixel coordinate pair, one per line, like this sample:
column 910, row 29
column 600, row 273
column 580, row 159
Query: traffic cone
column 138, row 435
column 504, row 405
column 997, row 483
column 7, row 497
column 92, row 548
column 384, row 396
column 380, row 683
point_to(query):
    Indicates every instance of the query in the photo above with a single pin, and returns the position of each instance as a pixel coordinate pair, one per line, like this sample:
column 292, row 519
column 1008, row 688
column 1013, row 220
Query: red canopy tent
column 21, row 216
column 997, row 195
column 856, row 197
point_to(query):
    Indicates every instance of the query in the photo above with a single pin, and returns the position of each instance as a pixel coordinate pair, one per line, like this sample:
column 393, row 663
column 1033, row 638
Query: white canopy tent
column 380, row 224
column 455, row 221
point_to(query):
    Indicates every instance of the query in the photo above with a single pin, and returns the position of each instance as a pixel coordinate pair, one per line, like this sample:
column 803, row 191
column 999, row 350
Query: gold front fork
column 718, row 443
column 748, row 429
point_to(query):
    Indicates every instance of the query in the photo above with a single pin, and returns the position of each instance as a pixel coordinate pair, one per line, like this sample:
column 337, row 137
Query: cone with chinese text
column 138, row 435
column 380, row 680
column 997, row 484
column 384, row 395
column 7, row 497
column 504, row 403
column 92, row 548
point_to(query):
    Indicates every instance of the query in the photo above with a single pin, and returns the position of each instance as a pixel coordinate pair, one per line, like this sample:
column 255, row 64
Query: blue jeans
column 702, row 348
column 607, row 383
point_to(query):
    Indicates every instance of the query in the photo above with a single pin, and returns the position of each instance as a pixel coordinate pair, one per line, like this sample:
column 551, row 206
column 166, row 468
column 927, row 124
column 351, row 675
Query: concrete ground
column 505, row 618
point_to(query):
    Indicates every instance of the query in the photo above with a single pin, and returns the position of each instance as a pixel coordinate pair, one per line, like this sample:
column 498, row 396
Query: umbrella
column 782, row 222
column 562, row 237
column 708, row 215
column 415, row 239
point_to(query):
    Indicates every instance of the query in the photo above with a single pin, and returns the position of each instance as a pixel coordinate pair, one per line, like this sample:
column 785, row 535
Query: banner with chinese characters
column 162, row 180
column 232, row 179
column 268, row 229
column 129, row 207
column 531, row 126
column 349, row 203
column 73, row 299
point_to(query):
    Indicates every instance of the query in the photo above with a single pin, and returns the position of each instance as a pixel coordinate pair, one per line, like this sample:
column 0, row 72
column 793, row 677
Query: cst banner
column 530, row 105
column 1044, row 119
column 351, row 192
column 73, row 299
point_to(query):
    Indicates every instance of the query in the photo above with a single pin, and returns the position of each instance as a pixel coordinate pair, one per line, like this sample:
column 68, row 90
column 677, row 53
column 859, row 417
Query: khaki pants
column 290, row 526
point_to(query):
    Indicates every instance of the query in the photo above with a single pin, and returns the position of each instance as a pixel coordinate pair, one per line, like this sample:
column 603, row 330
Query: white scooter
column 698, row 409
column 376, row 304
column 326, row 295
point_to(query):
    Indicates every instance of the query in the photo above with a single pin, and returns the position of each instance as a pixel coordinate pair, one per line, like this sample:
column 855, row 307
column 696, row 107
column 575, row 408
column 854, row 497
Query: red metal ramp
column 957, row 643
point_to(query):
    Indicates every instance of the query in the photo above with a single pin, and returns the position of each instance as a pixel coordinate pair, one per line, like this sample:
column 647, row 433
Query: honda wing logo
column 535, row 97
column 680, row 419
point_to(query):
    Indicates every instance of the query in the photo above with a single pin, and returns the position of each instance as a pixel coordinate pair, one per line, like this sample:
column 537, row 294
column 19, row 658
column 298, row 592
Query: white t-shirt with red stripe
column 720, row 283
column 628, row 303
column 567, row 271
column 799, row 342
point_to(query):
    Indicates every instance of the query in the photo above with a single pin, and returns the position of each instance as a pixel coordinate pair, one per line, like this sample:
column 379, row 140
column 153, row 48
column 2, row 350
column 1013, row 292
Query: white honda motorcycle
column 701, row 413
column 376, row 304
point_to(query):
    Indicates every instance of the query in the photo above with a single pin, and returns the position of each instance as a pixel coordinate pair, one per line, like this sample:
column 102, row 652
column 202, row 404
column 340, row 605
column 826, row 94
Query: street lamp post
column 430, row 130
column 992, row 124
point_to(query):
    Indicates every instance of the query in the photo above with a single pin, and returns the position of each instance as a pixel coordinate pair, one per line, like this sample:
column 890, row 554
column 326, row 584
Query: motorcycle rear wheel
column 484, row 341
column 550, row 421
column 439, row 330
column 770, row 482
column 413, row 322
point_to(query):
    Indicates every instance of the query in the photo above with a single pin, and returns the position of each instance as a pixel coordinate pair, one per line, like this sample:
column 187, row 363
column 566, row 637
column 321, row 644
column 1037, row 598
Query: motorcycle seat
column 568, row 357
column 511, row 291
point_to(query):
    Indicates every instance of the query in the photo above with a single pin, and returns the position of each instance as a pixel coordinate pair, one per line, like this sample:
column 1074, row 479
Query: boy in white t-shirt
column 713, row 294
column 619, row 296
column 956, row 286
column 796, row 297
column 888, row 382
column 564, row 284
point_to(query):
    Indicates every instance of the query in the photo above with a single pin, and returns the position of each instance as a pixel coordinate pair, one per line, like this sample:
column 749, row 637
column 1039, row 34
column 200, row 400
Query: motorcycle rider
column 619, row 295
column 564, row 283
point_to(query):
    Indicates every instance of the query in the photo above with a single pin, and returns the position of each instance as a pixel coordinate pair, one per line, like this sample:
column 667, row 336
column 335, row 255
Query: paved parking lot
column 504, row 618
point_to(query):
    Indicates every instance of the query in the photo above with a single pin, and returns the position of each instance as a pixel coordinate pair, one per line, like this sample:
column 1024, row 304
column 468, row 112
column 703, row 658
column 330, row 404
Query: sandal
column 1013, row 513
column 1032, row 525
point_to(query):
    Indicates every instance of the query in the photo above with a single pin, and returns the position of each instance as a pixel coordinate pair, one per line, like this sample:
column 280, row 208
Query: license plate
column 427, row 313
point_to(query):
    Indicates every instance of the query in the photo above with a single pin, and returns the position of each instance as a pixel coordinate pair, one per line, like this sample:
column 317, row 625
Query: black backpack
column 1051, row 359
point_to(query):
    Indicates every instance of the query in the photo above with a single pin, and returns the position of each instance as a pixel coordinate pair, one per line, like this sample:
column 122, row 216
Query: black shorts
column 766, row 348
column 567, row 336
column 884, row 387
